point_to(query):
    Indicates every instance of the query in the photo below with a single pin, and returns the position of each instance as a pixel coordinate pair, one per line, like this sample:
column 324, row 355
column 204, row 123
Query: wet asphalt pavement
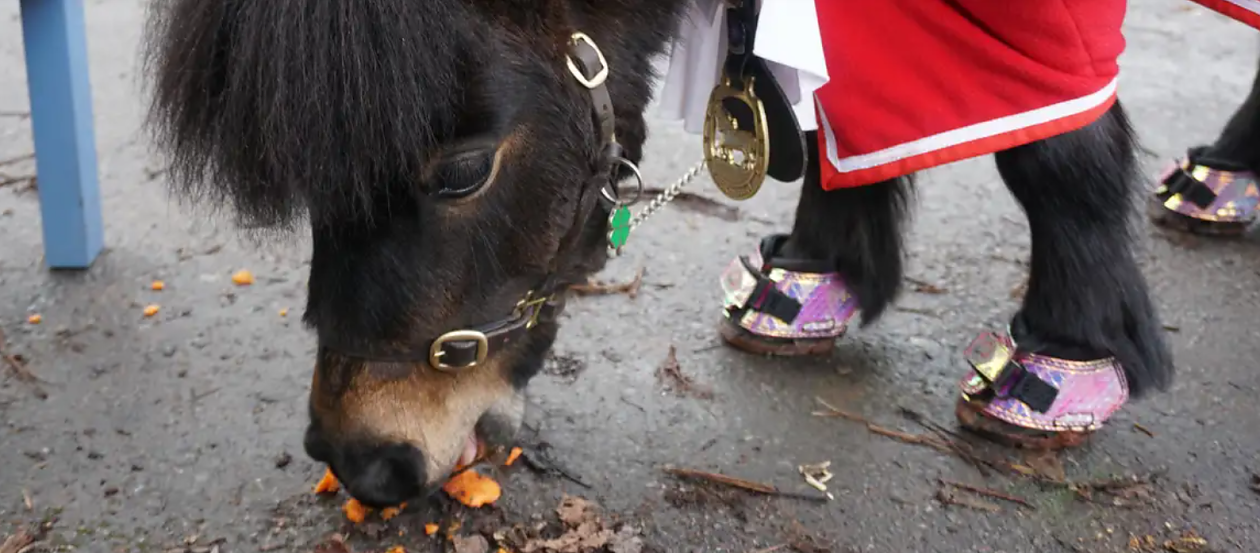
column 155, row 430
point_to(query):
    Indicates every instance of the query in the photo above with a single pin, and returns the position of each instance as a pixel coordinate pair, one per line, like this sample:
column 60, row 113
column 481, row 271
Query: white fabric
column 787, row 38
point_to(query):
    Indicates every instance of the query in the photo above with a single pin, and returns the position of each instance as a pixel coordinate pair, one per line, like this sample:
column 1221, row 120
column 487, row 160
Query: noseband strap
column 463, row 349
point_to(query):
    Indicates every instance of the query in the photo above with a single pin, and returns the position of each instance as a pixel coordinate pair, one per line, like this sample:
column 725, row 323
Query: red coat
column 919, row 83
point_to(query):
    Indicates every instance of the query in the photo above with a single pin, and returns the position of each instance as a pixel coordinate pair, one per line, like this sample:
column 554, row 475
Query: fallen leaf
column 1146, row 543
column 1189, row 542
column 574, row 510
column 1047, row 464
column 470, row 544
column 583, row 539
column 243, row 278
column 626, row 540
column 473, row 489
column 334, row 544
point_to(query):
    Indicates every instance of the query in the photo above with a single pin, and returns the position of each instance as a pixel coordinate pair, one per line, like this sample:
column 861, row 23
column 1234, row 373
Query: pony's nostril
column 386, row 476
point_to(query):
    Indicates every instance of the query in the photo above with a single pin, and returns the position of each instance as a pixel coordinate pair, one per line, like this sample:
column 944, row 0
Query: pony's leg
column 1087, row 335
column 1213, row 190
column 844, row 254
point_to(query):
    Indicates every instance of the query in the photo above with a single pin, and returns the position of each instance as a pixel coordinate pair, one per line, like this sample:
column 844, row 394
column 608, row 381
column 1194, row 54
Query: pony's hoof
column 783, row 306
column 1196, row 198
column 745, row 341
column 972, row 419
column 1035, row 401
column 1168, row 219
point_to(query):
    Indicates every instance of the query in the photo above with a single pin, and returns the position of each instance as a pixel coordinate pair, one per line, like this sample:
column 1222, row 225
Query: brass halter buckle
column 436, row 352
column 601, row 74
column 528, row 303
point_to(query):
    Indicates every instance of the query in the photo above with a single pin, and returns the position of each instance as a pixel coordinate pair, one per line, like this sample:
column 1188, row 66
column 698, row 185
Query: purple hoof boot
column 1220, row 199
column 1034, row 400
column 780, row 306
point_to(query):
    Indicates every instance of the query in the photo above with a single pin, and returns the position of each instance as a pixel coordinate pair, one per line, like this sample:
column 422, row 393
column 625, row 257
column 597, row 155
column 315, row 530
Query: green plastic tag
column 619, row 227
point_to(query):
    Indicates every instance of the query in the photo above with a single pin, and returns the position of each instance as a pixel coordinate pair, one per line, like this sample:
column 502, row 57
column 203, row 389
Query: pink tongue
column 470, row 451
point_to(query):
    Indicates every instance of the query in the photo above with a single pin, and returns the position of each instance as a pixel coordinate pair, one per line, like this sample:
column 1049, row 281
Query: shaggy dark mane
column 277, row 107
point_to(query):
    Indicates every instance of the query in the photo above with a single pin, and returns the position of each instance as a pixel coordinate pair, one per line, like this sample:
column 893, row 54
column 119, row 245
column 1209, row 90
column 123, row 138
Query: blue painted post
column 61, row 118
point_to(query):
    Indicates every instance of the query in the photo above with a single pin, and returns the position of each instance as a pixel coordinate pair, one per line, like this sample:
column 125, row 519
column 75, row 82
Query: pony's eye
column 465, row 173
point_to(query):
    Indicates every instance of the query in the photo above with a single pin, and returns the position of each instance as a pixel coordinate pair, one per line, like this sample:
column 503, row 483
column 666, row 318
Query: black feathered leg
column 1086, row 297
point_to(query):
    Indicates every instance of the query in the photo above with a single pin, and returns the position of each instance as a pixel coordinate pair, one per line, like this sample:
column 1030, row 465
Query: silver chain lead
column 667, row 195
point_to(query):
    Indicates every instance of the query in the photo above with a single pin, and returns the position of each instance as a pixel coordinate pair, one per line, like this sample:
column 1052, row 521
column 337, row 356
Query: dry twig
column 18, row 366
column 915, row 439
column 925, row 287
column 1143, row 430
column 944, row 496
column 670, row 374
column 13, row 160
column 596, row 288
column 956, row 442
column 746, row 485
column 17, row 542
column 987, row 493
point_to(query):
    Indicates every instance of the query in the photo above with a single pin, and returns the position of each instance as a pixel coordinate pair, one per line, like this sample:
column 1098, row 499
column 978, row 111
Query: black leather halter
column 466, row 348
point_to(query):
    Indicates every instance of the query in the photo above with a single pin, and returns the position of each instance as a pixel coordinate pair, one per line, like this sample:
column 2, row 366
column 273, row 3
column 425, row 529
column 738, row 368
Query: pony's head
column 451, row 160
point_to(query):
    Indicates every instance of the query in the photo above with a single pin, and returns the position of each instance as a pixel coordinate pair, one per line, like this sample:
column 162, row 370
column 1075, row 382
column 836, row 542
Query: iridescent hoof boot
column 781, row 306
column 1204, row 196
column 1032, row 401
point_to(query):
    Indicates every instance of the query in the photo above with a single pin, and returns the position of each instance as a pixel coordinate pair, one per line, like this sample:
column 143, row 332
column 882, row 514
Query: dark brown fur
column 339, row 112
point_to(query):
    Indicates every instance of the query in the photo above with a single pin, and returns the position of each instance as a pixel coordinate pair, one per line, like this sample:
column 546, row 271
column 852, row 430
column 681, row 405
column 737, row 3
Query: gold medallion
column 737, row 158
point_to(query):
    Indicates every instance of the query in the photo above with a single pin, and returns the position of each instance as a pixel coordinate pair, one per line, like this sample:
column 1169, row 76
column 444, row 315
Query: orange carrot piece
column 512, row 456
column 473, row 489
column 243, row 278
column 328, row 484
column 391, row 512
column 355, row 511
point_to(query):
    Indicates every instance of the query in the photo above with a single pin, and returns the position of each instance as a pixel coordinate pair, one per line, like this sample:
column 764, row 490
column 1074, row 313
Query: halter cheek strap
column 466, row 348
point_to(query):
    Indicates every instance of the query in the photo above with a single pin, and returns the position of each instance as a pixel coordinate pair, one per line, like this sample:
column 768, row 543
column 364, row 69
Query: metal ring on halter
column 638, row 190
